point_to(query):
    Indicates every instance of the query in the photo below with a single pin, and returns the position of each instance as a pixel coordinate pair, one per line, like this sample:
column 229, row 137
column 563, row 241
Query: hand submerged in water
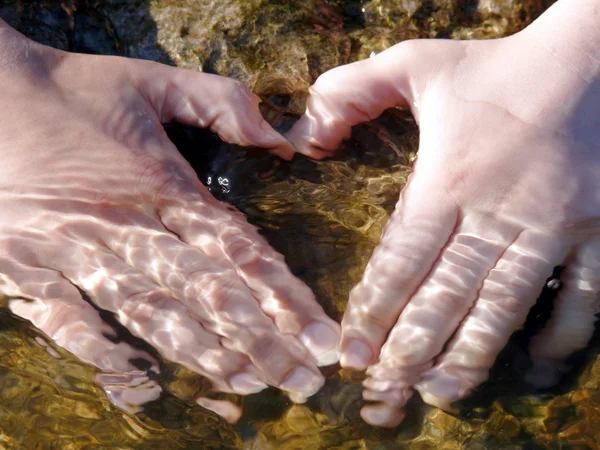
column 506, row 186
column 95, row 199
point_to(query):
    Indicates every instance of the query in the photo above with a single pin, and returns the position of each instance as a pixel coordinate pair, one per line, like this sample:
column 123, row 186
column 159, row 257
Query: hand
column 100, row 212
column 506, row 186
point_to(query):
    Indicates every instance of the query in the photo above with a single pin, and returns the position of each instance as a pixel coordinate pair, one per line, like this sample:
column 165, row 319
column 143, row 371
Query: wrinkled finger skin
column 100, row 212
column 506, row 186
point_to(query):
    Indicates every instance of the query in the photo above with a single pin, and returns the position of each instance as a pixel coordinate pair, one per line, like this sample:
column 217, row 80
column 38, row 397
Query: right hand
column 101, row 212
column 506, row 186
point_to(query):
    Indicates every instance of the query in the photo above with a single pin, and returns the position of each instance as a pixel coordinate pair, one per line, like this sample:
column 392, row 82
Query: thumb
column 224, row 105
column 352, row 94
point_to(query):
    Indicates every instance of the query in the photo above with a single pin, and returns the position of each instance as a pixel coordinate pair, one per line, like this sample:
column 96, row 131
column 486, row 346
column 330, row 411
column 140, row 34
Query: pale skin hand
column 506, row 186
column 94, row 196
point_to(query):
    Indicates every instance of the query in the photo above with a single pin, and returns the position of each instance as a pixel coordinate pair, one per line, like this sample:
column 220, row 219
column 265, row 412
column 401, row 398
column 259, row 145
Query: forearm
column 564, row 46
column 548, row 75
column 10, row 42
column 570, row 31
column 24, row 65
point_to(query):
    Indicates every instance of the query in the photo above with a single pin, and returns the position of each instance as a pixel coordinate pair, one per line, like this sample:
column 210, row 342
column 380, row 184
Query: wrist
column 20, row 56
column 567, row 38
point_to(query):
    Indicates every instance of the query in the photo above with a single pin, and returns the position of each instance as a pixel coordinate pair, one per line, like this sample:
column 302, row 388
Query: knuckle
column 398, row 269
column 502, row 303
column 452, row 302
column 244, row 251
column 167, row 178
column 242, row 94
column 515, row 287
column 214, row 289
column 143, row 305
column 262, row 345
column 367, row 318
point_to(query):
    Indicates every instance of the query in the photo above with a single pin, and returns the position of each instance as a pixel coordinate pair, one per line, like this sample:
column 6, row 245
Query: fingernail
column 382, row 415
column 374, row 416
column 303, row 381
column 441, row 389
column 322, row 342
column 356, row 356
column 245, row 384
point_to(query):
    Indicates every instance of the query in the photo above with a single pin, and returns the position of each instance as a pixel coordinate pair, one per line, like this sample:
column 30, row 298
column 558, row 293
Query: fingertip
column 301, row 137
column 297, row 398
column 442, row 403
column 322, row 341
column 356, row 355
column 382, row 415
column 302, row 383
column 441, row 389
column 244, row 383
column 283, row 153
column 227, row 410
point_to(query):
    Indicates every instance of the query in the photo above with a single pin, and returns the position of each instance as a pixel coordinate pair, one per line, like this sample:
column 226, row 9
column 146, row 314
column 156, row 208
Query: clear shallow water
column 325, row 217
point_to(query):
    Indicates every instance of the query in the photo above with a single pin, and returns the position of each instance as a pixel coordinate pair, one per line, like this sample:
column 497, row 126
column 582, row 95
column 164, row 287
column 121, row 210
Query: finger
column 412, row 240
column 446, row 295
column 149, row 312
column 352, row 94
column 224, row 105
column 55, row 307
column 281, row 296
column 385, row 413
column 573, row 316
column 389, row 388
column 213, row 292
column 502, row 306
column 130, row 390
column 230, row 412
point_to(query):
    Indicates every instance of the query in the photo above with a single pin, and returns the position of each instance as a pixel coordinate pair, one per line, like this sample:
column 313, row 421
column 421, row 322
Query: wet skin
column 97, row 202
column 506, row 186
